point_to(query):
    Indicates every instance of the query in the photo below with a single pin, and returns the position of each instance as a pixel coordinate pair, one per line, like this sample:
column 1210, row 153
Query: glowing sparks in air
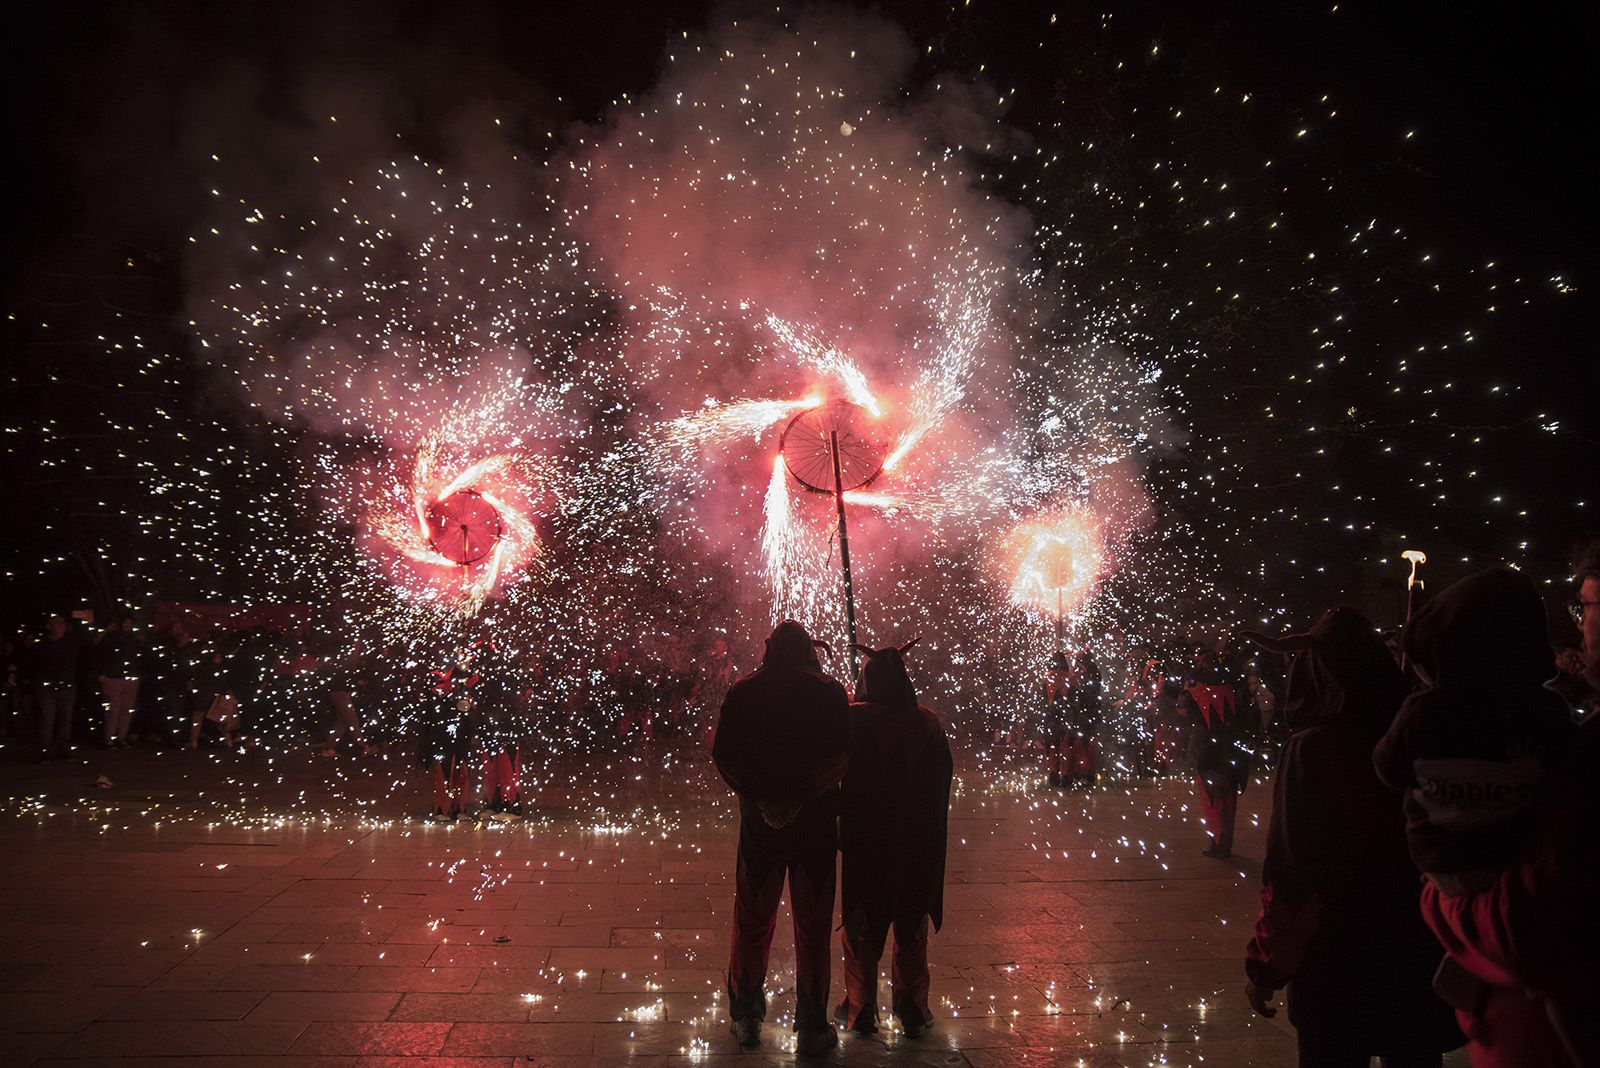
column 827, row 360
column 1054, row 560
column 727, row 422
column 461, row 523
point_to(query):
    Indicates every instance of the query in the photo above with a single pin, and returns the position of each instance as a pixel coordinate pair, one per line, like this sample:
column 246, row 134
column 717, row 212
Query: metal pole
column 1061, row 619
column 844, row 552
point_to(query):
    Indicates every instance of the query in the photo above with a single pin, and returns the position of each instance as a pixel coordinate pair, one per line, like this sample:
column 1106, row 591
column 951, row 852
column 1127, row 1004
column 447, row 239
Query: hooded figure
column 781, row 743
column 1471, row 750
column 1339, row 919
column 892, row 830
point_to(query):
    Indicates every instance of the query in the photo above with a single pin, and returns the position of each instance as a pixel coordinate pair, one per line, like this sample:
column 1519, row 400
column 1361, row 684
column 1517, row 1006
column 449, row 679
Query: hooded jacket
column 783, row 734
column 1469, row 750
column 1339, row 919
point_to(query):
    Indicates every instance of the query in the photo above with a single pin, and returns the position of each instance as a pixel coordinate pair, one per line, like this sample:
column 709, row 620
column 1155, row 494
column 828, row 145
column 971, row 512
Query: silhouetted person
column 1471, row 748
column 1057, row 689
column 54, row 670
column 446, row 743
column 117, row 657
column 1339, row 919
column 892, row 828
column 1222, row 763
column 781, row 743
column 1083, row 723
column 1571, row 685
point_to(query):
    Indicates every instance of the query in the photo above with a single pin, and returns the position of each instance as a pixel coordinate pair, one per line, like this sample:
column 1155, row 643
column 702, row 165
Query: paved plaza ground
column 206, row 909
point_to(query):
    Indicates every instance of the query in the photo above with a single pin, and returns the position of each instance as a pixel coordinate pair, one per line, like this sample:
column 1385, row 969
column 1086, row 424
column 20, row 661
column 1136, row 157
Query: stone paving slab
column 204, row 912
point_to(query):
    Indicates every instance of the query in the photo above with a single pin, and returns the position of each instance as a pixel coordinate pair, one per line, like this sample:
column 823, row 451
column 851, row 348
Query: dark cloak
column 894, row 818
column 1340, row 920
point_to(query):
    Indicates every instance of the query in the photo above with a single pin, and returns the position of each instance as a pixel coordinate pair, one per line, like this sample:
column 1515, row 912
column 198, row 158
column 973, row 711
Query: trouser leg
column 1227, row 809
column 441, row 792
column 507, row 777
column 65, row 697
column 758, row 886
column 1208, row 806
column 811, row 892
column 48, row 700
column 460, row 782
column 120, row 697
column 1220, row 802
column 909, row 978
column 860, row 974
column 490, row 779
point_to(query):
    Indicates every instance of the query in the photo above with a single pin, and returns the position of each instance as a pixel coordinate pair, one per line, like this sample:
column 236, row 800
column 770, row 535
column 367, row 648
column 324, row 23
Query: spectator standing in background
column 55, row 687
column 117, row 659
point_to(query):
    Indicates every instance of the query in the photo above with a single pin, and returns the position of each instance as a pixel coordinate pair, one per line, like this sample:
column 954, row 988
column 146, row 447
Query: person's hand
column 1260, row 998
column 779, row 814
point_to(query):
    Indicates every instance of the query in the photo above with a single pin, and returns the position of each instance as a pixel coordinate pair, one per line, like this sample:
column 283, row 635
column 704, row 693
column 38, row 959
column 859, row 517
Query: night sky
column 1390, row 330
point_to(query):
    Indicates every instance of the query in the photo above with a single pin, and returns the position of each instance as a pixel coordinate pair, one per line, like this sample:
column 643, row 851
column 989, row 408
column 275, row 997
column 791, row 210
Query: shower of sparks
column 634, row 311
column 1054, row 561
column 518, row 486
column 826, row 360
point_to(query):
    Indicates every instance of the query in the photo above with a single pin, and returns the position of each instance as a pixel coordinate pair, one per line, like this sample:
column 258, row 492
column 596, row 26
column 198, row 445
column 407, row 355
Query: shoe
column 816, row 1041
column 864, row 1026
column 747, row 1032
column 1055, row 780
column 1216, row 852
column 914, row 1026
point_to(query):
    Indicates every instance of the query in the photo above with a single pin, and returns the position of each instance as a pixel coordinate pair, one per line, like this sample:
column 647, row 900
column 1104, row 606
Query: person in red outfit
column 892, row 828
column 1339, row 921
column 781, row 742
column 1222, row 762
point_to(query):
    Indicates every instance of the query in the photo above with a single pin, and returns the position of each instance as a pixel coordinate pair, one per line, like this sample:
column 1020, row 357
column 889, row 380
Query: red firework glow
column 464, row 527
column 461, row 524
column 1053, row 561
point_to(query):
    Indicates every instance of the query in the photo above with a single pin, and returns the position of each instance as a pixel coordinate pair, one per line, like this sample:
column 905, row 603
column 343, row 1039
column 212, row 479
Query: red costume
column 1222, row 765
column 781, row 743
column 892, row 830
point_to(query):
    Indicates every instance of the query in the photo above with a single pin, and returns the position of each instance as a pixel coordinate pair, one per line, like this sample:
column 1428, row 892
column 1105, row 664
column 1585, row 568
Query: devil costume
column 781, row 742
column 461, row 694
column 1222, row 762
column 1339, row 919
column 892, row 829
column 1079, row 747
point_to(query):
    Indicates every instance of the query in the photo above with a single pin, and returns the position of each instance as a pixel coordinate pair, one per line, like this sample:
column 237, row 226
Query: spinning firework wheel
column 463, row 527
column 829, row 449
column 808, row 442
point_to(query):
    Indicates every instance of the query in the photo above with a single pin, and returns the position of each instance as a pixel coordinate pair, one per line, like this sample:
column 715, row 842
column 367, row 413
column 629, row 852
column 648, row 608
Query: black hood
column 885, row 681
column 1487, row 630
column 790, row 648
column 1341, row 670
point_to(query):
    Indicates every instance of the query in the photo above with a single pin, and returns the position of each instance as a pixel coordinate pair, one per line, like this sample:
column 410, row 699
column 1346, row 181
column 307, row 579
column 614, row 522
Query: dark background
column 1310, row 505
